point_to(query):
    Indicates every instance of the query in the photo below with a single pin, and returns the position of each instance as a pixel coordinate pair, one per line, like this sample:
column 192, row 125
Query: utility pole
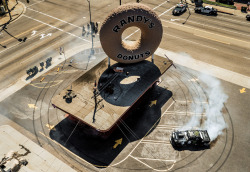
column 89, row 11
column 91, row 27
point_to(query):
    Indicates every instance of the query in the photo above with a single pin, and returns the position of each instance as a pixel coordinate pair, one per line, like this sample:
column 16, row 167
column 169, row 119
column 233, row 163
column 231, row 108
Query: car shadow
column 191, row 148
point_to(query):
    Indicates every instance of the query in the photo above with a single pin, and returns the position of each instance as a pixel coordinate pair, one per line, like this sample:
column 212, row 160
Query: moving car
column 179, row 9
column 190, row 138
column 206, row 10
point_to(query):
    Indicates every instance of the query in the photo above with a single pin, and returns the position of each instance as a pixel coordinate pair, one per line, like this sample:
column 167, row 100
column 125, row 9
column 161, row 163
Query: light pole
column 91, row 25
column 89, row 11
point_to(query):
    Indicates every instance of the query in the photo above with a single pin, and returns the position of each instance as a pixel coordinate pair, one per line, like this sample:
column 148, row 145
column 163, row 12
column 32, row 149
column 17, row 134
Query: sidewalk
column 16, row 12
column 236, row 11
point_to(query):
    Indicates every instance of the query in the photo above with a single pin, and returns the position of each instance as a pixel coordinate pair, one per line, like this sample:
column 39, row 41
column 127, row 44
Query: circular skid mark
column 186, row 94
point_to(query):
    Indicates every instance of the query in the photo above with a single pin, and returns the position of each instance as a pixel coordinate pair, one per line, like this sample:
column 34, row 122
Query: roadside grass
column 219, row 4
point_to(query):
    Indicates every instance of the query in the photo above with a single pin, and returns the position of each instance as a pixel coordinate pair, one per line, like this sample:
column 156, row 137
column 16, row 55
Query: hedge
column 219, row 4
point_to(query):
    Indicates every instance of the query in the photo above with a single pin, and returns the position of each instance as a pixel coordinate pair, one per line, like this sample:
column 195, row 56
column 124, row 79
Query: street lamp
column 89, row 11
column 91, row 25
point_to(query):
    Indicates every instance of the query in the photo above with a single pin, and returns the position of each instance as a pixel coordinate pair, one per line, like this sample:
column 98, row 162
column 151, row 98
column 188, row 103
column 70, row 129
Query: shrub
column 219, row 4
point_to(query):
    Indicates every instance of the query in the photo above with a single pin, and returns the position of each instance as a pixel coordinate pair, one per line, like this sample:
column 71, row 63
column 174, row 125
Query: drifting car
column 179, row 9
column 190, row 138
column 206, row 10
column 248, row 17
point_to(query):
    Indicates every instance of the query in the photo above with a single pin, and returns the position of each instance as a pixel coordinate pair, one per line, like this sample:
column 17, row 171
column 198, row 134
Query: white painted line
column 159, row 5
column 54, row 18
column 209, row 69
column 156, row 141
column 226, row 18
column 152, row 167
column 223, row 42
column 194, row 30
column 141, row 139
column 190, row 101
column 155, row 159
column 6, row 92
column 35, row 3
column 57, row 28
column 159, row 16
column 202, row 24
column 191, row 41
column 248, row 58
column 64, row 148
column 166, row 11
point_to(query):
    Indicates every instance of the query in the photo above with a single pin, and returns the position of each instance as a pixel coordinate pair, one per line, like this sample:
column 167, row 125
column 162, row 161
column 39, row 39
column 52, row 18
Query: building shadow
column 141, row 120
column 120, row 84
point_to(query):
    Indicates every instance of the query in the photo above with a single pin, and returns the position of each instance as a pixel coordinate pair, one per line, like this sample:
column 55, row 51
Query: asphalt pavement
column 220, row 41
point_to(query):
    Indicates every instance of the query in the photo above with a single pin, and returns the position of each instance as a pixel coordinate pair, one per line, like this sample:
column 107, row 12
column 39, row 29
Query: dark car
column 248, row 17
column 179, row 9
column 190, row 138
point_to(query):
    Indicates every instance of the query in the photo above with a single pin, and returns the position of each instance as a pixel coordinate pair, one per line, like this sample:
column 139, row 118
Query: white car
column 206, row 10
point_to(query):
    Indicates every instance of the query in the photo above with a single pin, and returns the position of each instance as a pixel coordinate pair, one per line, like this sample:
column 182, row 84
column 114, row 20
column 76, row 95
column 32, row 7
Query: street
column 216, row 45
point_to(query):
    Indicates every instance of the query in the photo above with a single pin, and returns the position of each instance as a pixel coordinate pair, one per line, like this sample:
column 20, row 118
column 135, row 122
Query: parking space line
column 155, row 159
column 143, row 137
column 152, row 167
column 156, row 142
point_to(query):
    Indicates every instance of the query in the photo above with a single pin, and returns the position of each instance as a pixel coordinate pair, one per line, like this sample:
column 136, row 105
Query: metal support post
column 108, row 61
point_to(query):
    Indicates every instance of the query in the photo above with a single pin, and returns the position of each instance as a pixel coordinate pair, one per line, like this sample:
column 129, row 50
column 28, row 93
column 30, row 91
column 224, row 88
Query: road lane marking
column 54, row 18
column 202, row 24
column 159, row 16
column 32, row 106
column 190, row 41
column 35, row 3
column 159, row 5
column 243, row 90
column 22, row 33
column 166, row 11
column 195, row 30
column 57, row 28
column 244, row 23
column 212, row 39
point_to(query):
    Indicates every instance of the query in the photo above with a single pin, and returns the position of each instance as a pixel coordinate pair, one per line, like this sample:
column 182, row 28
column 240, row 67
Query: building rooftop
column 107, row 92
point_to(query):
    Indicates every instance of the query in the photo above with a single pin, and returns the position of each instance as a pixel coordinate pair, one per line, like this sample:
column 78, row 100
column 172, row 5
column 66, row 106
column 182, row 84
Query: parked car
column 248, row 17
column 179, row 9
column 190, row 138
column 206, row 10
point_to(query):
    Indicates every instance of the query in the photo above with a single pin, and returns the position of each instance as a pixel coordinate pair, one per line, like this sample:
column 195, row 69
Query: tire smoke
column 214, row 121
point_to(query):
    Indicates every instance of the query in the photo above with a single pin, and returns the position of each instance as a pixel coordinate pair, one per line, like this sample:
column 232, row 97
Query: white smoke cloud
column 214, row 122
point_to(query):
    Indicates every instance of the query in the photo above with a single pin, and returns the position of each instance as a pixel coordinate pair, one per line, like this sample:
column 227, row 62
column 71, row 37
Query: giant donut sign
column 120, row 19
